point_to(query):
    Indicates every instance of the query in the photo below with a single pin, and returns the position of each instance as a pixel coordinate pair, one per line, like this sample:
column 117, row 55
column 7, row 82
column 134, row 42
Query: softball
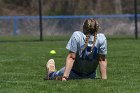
column 53, row 52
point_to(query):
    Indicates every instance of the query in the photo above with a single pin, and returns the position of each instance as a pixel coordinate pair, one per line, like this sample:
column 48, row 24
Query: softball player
column 87, row 50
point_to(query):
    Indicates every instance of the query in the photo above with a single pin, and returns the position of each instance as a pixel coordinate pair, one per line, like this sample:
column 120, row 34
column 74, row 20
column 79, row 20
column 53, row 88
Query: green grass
column 22, row 67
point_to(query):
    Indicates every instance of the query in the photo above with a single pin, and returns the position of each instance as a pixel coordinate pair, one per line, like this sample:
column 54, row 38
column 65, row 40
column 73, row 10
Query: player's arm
column 103, row 66
column 69, row 64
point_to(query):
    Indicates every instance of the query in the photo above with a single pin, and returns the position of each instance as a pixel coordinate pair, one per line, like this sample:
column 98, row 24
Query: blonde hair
column 90, row 27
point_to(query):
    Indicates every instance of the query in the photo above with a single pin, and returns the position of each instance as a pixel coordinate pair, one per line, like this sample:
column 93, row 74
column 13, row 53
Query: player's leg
column 57, row 75
column 52, row 74
column 51, row 71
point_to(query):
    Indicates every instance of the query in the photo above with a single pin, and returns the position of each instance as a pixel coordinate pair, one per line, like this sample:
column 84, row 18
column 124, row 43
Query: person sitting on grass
column 87, row 50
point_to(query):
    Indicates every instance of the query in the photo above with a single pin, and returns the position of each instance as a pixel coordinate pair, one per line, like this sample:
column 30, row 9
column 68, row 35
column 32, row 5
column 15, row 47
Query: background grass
column 22, row 67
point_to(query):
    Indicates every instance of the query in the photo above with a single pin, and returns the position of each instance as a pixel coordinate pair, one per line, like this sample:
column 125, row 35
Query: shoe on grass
column 50, row 67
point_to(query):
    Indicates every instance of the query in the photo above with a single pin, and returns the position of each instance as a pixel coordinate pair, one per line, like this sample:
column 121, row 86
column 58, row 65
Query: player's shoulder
column 77, row 34
column 101, row 36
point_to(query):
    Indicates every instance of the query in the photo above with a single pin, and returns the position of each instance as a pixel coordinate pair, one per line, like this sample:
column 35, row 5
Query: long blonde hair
column 90, row 27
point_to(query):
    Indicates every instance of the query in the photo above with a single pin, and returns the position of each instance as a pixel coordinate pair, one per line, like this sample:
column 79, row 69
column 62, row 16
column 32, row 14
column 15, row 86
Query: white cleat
column 50, row 67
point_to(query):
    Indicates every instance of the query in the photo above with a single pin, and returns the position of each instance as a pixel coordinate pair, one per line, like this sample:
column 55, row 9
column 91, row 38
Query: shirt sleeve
column 72, row 43
column 103, row 45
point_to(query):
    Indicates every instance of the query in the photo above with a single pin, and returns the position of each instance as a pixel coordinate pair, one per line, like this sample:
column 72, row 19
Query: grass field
column 22, row 67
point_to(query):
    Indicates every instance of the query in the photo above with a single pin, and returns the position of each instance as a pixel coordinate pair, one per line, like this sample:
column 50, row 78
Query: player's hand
column 64, row 78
